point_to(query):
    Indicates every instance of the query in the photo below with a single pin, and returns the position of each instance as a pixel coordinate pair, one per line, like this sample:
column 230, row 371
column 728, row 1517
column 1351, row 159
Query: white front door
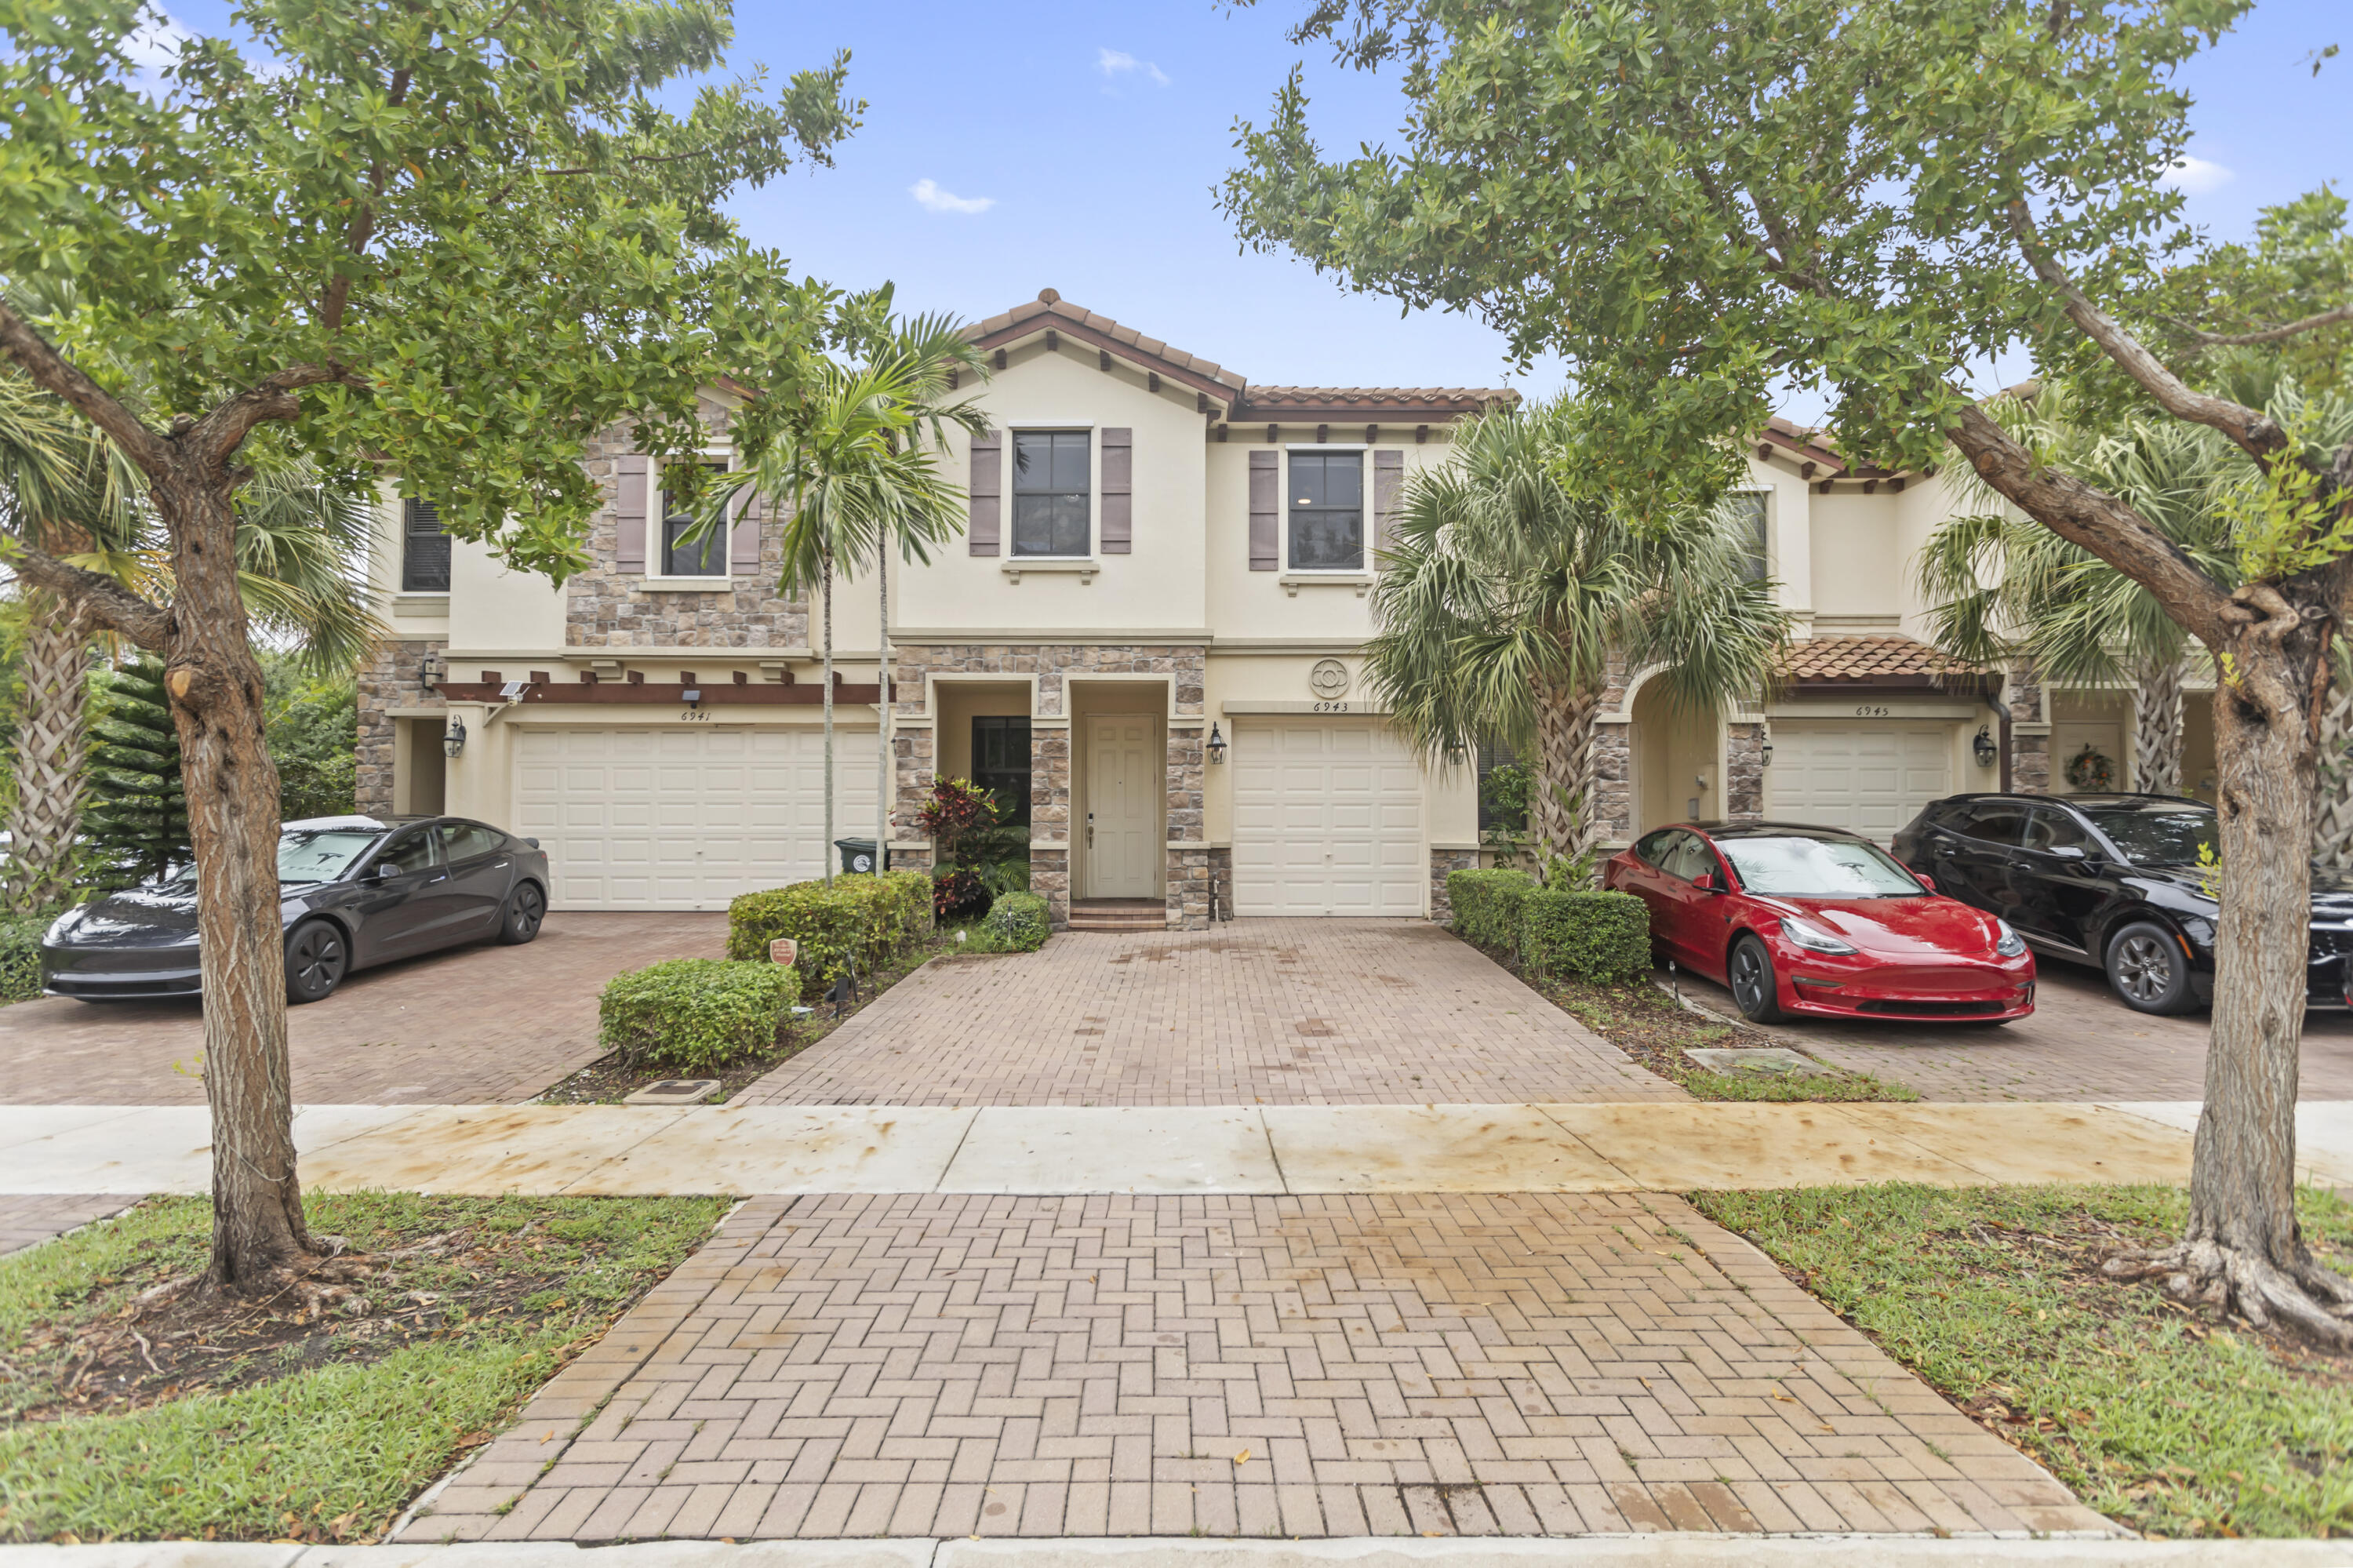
column 1126, row 782
column 1869, row 779
column 1327, row 820
column 685, row 817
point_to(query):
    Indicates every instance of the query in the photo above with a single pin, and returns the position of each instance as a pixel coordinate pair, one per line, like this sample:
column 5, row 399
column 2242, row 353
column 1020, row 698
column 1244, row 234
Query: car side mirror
column 382, row 870
column 2068, row 851
column 1925, row 880
column 1705, row 882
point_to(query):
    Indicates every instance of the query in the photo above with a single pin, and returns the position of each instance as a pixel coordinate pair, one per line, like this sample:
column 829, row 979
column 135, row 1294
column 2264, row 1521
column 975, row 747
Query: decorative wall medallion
column 1328, row 680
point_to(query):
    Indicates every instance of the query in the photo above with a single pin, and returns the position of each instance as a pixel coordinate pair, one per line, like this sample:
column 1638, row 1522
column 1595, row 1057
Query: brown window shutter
column 986, row 487
column 1388, row 479
column 743, row 534
column 634, row 475
column 1265, row 511
column 1118, row 513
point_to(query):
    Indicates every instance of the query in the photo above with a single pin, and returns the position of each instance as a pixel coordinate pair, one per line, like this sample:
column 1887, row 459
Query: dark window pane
column 1327, row 519
column 423, row 549
column 464, row 841
column 413, row 850
column 2053, row 829
column 1997, row 822
column 1000, row 763
column 1051, row 487
column 681, row 557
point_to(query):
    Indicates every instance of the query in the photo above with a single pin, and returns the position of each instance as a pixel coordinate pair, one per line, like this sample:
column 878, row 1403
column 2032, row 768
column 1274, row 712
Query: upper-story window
column 423, row 549
column 1051, row 487
column 1327, row 512
column 1750, row 505
column 684, row 557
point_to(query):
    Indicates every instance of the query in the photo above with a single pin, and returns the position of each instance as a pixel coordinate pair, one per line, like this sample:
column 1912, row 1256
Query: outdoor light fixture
column 453, row 739
column 1217, row 743
column 1988, row 752
column 1766, row 755
column 692, row 697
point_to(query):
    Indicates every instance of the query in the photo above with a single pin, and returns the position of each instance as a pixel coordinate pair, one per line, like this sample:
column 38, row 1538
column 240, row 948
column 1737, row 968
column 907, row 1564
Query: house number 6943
column 1870, row 710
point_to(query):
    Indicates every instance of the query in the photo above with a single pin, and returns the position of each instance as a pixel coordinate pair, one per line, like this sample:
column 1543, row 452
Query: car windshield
column 321, row 855
column 2157, row 834
column 1819, row 868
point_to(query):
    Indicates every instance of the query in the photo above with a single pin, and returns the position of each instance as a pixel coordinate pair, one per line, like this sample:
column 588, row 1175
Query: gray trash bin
column 857, row 854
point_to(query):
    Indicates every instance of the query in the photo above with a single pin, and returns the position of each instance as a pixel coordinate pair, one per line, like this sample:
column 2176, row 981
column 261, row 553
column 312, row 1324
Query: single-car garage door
column 685, row 817
column 1867, row 779
column 1327, row 820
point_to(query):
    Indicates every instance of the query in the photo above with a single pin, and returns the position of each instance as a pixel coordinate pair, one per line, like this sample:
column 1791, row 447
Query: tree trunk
column 2156, row 728
column 2242, row 1247
column 52, row 745
column 825, row 591
column 882, row 715
column 2332, row 818
column 1560, row 797
column 215, row 684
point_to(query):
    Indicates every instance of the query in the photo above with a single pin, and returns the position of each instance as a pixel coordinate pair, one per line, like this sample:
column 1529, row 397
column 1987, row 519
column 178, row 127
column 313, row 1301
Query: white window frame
column 1772, row 533
column 658, row 573
column 1013, row 558
column 1365, row 543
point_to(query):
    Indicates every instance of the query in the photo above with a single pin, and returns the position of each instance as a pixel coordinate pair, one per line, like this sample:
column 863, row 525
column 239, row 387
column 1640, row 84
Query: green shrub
column 20, row 954
column 1487, row 906
column 1585, row 936
column 694, row 1013
column 860, row 919
column 1016, row 923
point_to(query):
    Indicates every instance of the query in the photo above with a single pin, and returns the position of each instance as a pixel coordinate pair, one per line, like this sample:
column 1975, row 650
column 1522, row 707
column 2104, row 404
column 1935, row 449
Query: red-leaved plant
column 958, row 808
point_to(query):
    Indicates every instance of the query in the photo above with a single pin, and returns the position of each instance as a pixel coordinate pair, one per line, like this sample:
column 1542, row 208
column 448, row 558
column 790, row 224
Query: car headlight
column 1813, row 938
column 2010, row 944
column 62, row 926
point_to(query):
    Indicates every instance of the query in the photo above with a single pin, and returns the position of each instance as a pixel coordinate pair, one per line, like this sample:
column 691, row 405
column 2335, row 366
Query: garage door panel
column 1869, row 779
column 1327, row 821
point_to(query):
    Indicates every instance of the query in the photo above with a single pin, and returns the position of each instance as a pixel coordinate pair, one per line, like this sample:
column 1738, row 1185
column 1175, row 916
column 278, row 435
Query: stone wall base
column 1221, row 881
column 1441, row 907
column 1189, row 890
column 1049, row 879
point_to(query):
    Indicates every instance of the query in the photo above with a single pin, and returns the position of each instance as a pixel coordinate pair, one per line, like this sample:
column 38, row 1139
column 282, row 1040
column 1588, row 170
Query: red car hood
column 1929, row 926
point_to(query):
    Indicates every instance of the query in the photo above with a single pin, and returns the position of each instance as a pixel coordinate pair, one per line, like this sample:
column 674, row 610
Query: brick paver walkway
column 1256, row 1012
column 478, row 1025
column 947, row 1366
column 27, row 1220
column 2080, row 1044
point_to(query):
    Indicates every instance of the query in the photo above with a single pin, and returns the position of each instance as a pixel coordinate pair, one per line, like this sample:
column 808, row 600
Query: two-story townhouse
column 1150, row 638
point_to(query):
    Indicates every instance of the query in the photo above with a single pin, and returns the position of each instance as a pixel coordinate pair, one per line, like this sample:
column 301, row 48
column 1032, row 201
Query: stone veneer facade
column 604, row 607
column 1441, row 862
column 393, row 678
column 2030, row 733
column 1053, row 666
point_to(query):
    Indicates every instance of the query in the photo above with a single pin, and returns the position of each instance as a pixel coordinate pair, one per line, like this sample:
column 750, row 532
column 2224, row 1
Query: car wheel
column 317, row 958
column 2148, row 969
column 1755, row 987
column 526, row 907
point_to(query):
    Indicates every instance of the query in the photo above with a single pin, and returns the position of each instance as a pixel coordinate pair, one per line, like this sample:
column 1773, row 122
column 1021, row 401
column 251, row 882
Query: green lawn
column 1655, row 1029
column 2169, row 1424
column 264, row 1424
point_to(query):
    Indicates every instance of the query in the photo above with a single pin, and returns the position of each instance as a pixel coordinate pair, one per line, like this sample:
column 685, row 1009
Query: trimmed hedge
column 860, row 919
column 1487, row 906
column 694, row 1013
column 1016, row 923
column 20, row 954
column 1585, row 936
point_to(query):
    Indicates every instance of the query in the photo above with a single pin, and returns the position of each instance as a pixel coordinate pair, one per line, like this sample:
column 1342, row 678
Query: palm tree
column 1512, row 588
column 836, row 455
column 2004, row 587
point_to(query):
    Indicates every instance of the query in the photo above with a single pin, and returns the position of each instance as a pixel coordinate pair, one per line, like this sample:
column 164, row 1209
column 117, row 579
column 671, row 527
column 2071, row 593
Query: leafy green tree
column 1513, row 588
column 313, row 733
column 137, row 817
column 461, row 235
column 1697, row 201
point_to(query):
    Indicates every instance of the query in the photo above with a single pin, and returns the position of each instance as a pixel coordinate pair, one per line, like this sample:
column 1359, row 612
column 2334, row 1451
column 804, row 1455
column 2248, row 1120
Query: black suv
column 2112, row 880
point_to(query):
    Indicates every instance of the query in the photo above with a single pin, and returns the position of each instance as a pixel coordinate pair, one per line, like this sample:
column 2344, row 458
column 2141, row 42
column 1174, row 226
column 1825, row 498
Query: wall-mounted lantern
column 1764, row 754
column 1987, row 751
column 1217, row 743
column 453, row 739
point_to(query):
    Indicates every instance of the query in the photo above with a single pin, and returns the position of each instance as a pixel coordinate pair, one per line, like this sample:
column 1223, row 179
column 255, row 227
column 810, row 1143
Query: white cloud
column 1115, row 63
column 2196, row 177
column 928, row 194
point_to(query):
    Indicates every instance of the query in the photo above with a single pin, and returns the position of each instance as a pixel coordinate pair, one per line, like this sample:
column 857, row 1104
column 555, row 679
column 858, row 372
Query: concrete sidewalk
column 1170, row 1149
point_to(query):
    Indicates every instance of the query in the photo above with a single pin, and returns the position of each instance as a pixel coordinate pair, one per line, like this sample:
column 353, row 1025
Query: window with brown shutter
column 633, row 478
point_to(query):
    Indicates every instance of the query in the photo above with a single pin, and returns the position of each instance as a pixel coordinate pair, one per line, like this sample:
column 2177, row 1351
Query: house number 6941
column 1870, row 710
column 692, row 716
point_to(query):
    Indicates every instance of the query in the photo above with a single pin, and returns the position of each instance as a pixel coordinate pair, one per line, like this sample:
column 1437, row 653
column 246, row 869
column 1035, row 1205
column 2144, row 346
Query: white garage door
column 1867, row 779
column 1327, row 821
column 685, row 817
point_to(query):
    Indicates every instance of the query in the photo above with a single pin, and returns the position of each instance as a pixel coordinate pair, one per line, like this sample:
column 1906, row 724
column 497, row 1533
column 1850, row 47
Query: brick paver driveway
column 2081, row 1044
column 478, row 1025
column 1255, row 1013
column 1405, row 1366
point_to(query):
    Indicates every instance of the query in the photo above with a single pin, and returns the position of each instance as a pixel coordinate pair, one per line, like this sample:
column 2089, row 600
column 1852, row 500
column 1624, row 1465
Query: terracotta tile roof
column 1242, row 402
column 1883, row 659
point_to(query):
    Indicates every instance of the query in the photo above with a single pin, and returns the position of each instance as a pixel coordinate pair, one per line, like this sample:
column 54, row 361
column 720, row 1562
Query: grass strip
column 262, row 1421
column 2161, row 1419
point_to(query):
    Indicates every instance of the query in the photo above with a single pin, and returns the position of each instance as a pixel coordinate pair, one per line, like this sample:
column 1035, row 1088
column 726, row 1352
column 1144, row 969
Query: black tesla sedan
column 2114, row 880
column 353, row 891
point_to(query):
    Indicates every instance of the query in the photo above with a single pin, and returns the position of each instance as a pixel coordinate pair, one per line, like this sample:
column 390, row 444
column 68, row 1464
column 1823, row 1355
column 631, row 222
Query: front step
column 1119, row 915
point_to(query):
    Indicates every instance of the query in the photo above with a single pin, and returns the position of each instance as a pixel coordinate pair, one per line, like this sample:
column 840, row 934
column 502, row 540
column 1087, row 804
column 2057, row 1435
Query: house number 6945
column 1870, row 710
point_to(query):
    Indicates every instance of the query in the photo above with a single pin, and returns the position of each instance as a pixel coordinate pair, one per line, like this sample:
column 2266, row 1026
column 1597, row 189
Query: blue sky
column 1076, row 145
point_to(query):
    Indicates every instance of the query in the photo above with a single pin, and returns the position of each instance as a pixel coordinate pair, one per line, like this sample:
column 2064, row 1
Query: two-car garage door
column 685, row 817
column 1867, row 779
column 1327, row 820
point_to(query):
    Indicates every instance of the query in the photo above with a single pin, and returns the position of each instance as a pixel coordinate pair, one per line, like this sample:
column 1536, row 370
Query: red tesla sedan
column 1815, row 921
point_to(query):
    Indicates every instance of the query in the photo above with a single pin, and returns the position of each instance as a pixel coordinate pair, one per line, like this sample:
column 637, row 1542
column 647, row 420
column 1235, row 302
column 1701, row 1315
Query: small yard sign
column 784, row 950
